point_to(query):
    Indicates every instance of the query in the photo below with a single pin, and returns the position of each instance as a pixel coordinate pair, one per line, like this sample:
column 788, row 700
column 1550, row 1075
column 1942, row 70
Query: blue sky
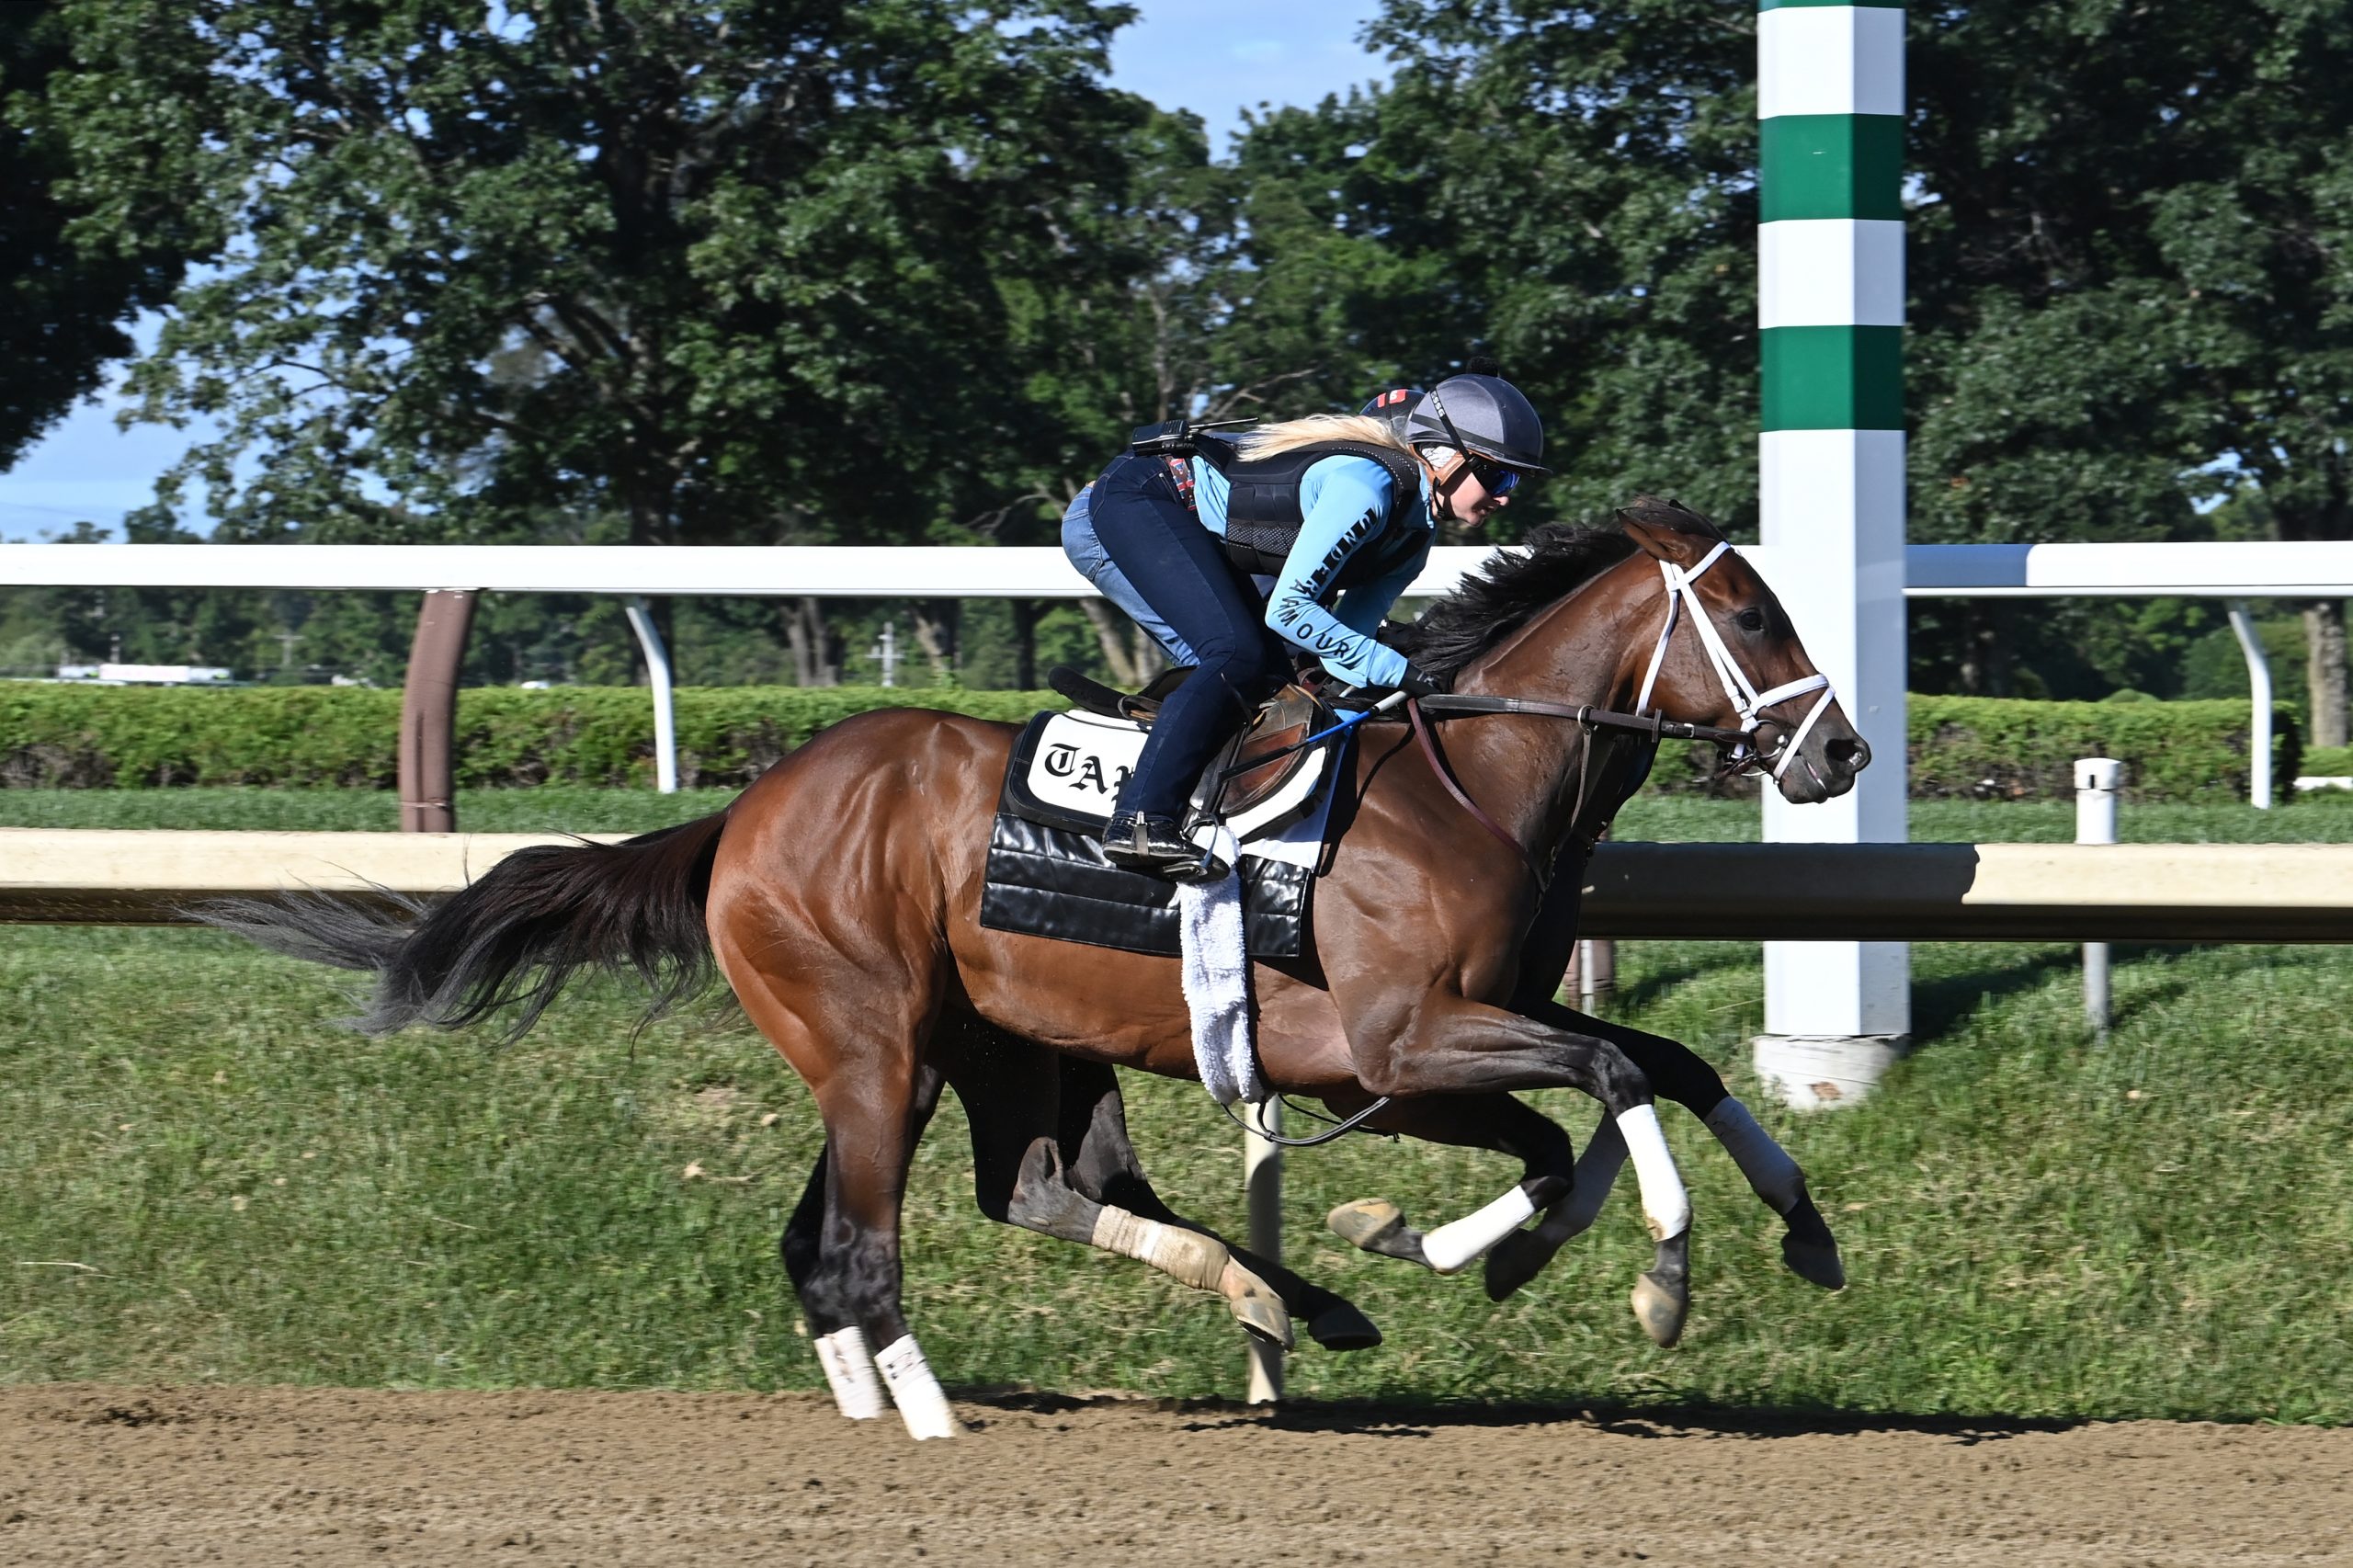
column 1214, row 57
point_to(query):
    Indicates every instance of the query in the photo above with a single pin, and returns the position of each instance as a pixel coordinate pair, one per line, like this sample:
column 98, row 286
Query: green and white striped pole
column 1830, row 104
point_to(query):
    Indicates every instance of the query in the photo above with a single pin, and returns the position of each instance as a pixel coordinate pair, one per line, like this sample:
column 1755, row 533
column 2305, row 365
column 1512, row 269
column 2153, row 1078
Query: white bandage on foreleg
column 1597, row 1173
column 922, row 1405
column 850, row 1372
column 1665, row 1207
column 1187, row 1257
column 1452, row 1246
column 1770, row 1172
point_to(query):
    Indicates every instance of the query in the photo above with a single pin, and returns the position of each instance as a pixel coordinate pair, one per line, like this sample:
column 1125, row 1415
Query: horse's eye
column 1751, row 620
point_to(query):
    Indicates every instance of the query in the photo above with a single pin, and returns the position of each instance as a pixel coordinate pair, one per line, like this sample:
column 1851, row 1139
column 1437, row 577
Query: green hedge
column 139, row 737
column 2001, row 748
column 146, row 736
column 2014, row 750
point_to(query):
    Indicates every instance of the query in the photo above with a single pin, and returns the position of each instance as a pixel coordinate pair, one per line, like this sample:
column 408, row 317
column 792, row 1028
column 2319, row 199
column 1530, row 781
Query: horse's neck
column 1527, row 772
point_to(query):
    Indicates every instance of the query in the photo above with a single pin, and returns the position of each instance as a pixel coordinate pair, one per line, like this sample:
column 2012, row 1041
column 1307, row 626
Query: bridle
column 1740, row 745
column 1745, row 699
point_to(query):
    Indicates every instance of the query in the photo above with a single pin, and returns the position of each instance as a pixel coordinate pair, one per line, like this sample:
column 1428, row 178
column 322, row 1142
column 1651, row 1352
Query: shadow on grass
column 1407, row 1417
column 1941, row 1005
column 1656, row 983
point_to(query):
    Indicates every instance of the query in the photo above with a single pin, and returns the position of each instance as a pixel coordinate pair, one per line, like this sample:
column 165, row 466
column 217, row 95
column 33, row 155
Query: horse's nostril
column 1851, row 754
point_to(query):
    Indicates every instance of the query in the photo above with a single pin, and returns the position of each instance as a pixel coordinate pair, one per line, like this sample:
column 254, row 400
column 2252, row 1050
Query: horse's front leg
column 1474, row 1122
column 1444, row 1044
column 1676, row 1073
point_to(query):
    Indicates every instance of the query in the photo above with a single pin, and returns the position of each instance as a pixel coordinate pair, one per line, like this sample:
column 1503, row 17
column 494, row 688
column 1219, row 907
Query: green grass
column 202, row 1178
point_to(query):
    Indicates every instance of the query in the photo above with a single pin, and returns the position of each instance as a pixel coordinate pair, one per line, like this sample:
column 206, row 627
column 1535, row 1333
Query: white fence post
column 2097, row 781
column 1831, row 107
column 657, row 675
column 1262, row 1180
column 2259, row 680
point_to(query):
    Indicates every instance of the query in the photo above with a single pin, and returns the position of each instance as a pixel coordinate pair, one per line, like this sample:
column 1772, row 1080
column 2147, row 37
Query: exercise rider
column 1234, row 552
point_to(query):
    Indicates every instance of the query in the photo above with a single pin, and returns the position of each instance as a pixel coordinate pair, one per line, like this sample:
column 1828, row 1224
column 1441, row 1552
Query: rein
column 1747, row 701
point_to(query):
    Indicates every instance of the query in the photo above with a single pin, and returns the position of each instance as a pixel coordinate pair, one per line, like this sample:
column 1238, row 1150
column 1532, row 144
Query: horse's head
column 1732, row 659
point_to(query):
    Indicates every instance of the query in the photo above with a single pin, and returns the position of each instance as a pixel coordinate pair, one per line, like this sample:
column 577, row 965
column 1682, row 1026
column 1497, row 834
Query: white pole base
column 1824, row 1072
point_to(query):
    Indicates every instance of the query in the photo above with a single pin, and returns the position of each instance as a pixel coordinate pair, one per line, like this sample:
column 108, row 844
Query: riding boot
column 1154, row 846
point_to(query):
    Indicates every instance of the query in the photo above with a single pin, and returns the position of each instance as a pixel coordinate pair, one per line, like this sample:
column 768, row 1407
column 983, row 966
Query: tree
column 733, row 271
column 2129, row 271
column 66, row 286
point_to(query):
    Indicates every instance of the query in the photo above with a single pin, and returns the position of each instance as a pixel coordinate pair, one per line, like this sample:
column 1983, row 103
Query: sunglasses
column 1494, row 477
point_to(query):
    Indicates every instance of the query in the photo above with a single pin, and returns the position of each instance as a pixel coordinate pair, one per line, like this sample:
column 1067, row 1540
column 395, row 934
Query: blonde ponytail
column 1272, row 441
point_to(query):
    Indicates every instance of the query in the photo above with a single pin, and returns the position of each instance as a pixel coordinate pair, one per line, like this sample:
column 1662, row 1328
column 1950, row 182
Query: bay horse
column 839, row 896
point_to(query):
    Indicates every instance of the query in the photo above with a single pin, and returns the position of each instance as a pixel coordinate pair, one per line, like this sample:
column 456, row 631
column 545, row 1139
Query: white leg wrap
column 1185, row 1256
column 917, row 1392
column 850, row 1370
column 1666, row 1206
column 1451, row 1247
column 1770, row 1172
column 1597, row 1173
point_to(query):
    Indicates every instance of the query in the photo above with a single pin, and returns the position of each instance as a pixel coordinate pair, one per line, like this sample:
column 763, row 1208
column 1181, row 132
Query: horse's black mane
column 1505, row 592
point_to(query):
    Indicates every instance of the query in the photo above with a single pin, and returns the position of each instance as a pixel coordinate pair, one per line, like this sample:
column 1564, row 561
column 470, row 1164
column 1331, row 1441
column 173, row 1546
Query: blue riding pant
column 1179, row 570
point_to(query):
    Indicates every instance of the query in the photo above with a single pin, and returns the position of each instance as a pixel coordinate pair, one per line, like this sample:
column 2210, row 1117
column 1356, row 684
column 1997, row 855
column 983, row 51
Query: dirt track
column 269, row 1475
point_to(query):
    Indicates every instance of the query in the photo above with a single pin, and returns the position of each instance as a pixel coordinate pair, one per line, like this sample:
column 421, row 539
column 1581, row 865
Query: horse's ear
column 1668, row 529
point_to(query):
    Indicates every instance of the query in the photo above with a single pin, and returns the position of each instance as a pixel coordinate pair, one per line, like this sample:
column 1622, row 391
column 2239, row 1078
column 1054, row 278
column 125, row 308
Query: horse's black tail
column 516, row 937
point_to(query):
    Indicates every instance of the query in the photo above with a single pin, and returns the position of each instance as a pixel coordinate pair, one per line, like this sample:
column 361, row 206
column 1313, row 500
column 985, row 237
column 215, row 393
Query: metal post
column 657, row 675
column 2097, row 781
column 2259, row 680
column 1262, row 1180
column 429, row 712
column 1830, row 316
column 1597, row 971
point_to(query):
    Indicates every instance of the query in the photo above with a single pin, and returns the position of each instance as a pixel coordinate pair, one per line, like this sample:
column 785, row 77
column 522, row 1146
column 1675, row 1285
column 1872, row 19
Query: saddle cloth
column 1047, row 875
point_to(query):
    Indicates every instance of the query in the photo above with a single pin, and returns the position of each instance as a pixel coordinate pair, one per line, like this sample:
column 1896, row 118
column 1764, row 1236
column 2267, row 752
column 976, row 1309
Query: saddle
column 1287, row 718
column 1047, row 875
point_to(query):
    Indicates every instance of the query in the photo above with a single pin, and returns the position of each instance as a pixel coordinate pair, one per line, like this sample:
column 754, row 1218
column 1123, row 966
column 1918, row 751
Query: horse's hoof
column 1661, row 1303
column 1341, row 1327
column 1367, row 1222
column 1808, row 1248
column 1256, row 1306
column 1516, row 1259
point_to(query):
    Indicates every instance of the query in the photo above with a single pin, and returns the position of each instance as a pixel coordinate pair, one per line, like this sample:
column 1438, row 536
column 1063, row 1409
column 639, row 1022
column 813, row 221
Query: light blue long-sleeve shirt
column 1343, row 500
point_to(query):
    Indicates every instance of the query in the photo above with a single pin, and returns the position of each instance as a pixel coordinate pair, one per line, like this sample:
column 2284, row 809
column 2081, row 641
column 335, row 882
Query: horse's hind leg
column 1035, row 1124
column 1107, row 1170
column 1678, row 1074
column 841, row 1345
column 854, row 1033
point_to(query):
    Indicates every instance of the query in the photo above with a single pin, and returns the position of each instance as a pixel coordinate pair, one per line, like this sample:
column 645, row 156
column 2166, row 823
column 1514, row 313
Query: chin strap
column 1749, row 702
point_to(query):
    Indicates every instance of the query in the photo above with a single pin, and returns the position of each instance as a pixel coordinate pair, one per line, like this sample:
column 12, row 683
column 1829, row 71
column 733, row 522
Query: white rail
column 2258, row 569
column 2250, row 570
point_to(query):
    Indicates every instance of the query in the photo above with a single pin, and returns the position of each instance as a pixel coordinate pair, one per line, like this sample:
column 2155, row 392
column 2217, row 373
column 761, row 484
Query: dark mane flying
column 1499, row 598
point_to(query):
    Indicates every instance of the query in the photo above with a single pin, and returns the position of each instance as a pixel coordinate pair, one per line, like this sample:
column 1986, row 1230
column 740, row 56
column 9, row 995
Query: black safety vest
column 1263, row 515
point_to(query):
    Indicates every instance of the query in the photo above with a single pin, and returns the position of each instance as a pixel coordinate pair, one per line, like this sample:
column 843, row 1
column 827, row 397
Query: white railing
column 2239, row 571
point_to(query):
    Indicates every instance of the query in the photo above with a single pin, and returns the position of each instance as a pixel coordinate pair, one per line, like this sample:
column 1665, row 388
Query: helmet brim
column 1517, row 465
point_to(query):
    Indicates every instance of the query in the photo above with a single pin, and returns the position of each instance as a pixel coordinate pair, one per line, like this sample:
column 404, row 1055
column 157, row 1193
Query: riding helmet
column 1484, row 414
column 1393, row 408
